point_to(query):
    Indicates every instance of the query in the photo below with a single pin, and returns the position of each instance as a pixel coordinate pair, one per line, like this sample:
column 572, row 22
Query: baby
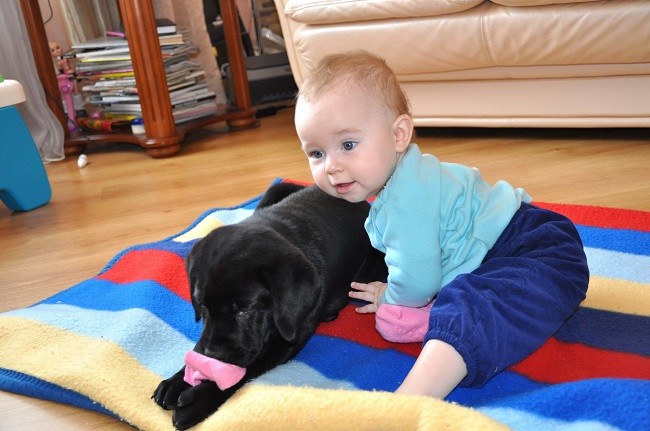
column 476, row 272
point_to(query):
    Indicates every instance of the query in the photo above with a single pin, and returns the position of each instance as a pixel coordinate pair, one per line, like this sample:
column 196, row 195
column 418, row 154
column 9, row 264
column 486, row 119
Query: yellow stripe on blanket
column 202, row 228
column 95, row 368
column 212, row 221
column 266, row 408
column 107, row 374
column 621, row 296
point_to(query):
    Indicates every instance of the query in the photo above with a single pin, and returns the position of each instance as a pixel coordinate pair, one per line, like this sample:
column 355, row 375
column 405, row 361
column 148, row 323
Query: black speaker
column 269, row 78
column 214, row 25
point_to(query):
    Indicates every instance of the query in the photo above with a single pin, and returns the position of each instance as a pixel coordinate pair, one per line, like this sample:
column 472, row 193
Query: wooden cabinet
column 163, row 138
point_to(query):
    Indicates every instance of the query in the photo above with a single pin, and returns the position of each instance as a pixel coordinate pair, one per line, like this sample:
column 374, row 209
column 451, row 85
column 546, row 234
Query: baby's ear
column 402, row 131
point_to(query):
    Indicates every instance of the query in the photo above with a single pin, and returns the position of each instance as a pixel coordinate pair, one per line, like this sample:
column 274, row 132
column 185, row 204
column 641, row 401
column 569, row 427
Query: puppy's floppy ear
column 292, row 284
column 196, row 290
column 294, row 298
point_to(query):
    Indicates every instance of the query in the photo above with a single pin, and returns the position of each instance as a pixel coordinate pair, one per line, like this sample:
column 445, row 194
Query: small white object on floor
column 82, row 161
column 137, row 126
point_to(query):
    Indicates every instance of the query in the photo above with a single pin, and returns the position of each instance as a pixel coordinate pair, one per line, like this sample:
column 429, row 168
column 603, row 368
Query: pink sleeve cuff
column 400, row 324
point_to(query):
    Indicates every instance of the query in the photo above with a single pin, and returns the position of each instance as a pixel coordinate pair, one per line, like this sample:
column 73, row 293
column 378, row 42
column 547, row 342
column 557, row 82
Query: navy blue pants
column 529, row 283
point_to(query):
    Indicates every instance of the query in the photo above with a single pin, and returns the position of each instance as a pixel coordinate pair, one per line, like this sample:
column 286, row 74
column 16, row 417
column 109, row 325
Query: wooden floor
column 124, row 198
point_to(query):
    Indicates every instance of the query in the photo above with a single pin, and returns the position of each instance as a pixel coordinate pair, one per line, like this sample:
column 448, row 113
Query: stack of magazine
column 105, row 71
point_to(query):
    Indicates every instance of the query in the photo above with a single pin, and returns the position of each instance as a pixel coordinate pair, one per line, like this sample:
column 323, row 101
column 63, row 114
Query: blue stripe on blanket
column 504, row 385
column 376, row 369
column 621, row 403
column 30, row 386
column 384, row 372
column 614, row 264
column 607, row 330
column 104, row 295
column 296, row 373
column 624, row 240
column 525, row 421
column 159, row 347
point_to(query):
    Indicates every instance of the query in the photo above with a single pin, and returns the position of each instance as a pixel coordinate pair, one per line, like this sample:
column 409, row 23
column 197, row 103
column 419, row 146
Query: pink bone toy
column 199, row 367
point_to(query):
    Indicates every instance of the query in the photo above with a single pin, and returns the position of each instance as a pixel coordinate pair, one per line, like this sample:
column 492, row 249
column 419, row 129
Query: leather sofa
column 501, row 63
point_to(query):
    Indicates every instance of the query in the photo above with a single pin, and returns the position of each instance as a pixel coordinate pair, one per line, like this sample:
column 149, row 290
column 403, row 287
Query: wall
column 54, row 26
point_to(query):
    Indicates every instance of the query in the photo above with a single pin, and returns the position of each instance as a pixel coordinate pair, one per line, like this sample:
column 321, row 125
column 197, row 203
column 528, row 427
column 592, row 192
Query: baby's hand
column 370, row 292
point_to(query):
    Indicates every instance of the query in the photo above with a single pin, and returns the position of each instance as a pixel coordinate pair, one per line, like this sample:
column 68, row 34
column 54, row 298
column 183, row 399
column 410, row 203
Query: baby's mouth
column 343, row 188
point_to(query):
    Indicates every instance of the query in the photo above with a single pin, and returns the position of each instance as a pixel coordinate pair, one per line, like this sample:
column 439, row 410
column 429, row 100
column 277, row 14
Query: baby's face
column 350, row 143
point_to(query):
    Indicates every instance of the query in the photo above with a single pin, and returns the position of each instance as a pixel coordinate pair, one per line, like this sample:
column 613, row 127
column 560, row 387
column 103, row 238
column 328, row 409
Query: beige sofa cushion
column 537, row 2
column 337, row 11
column 490, row 35
column 560, row 63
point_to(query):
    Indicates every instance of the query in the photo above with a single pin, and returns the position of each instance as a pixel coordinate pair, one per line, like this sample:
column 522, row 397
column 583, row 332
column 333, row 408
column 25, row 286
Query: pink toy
column 66, row 86
column 199, row 367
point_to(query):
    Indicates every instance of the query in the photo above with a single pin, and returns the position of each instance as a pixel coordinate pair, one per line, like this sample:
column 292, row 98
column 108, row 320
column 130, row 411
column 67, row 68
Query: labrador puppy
column 262, row 286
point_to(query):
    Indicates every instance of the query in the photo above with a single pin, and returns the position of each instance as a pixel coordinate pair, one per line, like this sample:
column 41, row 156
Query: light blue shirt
column 434, row 221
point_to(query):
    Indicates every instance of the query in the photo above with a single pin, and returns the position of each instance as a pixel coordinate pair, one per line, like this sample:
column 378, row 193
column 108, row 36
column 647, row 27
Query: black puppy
column 263, row 285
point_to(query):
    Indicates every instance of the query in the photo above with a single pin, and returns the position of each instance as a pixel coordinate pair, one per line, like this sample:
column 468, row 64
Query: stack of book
column 104, row 68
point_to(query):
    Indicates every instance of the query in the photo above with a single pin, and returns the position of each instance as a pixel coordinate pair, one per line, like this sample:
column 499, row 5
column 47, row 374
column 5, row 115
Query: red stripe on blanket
column 616, row 218
column 163, row 267
column 554, row 362
column 559, row 362
column 360, row 328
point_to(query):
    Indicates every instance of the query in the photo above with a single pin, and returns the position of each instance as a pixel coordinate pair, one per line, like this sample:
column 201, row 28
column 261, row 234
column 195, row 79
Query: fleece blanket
column 105, row 343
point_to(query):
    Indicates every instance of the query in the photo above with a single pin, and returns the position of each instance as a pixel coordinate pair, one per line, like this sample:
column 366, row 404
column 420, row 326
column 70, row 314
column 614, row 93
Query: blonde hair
column 363, row 71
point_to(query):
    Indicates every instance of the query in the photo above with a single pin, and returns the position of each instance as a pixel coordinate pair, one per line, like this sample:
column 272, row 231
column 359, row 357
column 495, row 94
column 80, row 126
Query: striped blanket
column 105, row 343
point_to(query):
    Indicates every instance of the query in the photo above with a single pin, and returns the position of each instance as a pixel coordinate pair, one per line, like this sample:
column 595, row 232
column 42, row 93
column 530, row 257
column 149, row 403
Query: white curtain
column 17, row 62
column 86, row 20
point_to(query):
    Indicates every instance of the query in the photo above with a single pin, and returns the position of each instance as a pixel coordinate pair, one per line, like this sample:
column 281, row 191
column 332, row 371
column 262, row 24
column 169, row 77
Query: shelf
column 236, row 119
column 163, row 138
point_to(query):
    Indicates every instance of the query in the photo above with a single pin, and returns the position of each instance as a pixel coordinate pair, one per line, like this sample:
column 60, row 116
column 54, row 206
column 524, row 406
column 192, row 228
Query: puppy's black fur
column 263, row 285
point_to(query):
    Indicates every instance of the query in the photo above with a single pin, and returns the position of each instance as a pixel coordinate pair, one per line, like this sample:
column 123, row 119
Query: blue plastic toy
column 23, row 180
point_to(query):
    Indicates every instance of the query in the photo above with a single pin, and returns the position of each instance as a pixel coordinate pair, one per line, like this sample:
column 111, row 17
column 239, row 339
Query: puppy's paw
column 197, row 403
column 168, row 391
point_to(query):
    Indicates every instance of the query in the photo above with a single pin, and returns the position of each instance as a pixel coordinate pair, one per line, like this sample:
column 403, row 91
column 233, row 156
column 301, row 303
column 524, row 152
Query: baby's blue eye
column 316, row 154
column 349, row 145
